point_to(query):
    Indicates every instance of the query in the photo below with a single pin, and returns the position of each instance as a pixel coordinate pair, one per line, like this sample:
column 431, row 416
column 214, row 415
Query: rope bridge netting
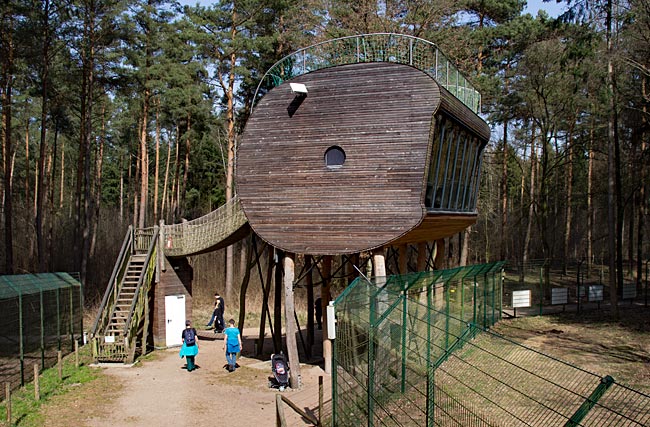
column 200, row 234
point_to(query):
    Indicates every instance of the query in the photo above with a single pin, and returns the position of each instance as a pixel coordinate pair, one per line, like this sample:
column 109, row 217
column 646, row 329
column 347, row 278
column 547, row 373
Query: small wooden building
column 358, row 144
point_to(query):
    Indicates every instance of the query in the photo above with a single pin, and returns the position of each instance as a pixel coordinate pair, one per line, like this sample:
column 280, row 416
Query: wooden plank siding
column 381, row 114
column 175, row 280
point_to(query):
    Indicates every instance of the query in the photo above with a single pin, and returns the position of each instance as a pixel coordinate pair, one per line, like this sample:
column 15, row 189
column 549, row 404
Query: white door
column 175, row 319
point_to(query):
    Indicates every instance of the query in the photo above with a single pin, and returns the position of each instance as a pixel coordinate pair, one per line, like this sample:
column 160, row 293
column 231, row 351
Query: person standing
column 232, row 344
column 217, row 314
column 190, row 347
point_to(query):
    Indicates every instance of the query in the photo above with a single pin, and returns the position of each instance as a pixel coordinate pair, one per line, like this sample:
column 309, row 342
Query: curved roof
column 377, row 47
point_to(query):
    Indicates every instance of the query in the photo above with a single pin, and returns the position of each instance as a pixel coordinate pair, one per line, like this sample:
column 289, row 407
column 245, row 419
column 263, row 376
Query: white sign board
column 109, row 339
column 521, row 298
column 559, row 296
column 629, row 291
column 596, row 293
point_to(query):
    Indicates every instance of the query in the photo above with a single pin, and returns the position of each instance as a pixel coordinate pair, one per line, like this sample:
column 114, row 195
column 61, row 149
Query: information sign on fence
column 629, row 291
column 559, row 296
column 596, row 293
column 521, row 298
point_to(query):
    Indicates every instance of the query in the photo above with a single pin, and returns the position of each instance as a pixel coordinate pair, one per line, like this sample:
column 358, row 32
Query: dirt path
column 158, row 391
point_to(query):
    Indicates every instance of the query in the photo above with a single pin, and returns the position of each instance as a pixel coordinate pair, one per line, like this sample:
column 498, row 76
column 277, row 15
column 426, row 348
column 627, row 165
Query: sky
column 553, row 8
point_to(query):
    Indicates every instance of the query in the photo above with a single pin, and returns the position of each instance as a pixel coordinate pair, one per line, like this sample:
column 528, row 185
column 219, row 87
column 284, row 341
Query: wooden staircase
column 122, row 321
column 135, row 269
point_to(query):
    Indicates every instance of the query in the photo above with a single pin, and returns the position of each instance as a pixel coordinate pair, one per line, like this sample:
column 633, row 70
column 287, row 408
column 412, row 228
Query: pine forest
column 128, row 112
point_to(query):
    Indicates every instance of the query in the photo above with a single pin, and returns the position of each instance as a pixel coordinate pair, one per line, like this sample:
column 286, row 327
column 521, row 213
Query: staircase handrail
column 145, row 277
column 115, row 280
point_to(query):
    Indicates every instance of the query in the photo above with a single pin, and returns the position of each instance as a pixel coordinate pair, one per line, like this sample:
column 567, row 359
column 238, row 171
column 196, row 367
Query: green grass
column 26, row 410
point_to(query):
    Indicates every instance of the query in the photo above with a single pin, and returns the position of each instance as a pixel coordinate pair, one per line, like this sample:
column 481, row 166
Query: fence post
column 59, row 363
column 404, row 323
column 541, row 290
column 430, row 378
column 279, row 412
column 37, row 388
column 8, row 401
column 320, row 400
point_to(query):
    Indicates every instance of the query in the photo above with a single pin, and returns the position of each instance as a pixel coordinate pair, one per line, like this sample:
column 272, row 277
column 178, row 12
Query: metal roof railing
column 378, row 47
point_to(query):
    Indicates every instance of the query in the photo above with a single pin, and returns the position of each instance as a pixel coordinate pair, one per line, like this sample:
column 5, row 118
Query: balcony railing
column 379, row 47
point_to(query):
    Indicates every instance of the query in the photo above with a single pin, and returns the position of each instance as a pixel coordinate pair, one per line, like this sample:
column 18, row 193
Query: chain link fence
column 392, row 331
column 545, row 287
column 417, row 350
column 40, row 314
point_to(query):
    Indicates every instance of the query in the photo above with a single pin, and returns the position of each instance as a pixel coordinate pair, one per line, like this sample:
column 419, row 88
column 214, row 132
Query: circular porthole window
column 334, row 157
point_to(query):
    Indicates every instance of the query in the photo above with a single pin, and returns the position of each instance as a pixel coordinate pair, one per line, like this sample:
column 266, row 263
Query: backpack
column 190, row 337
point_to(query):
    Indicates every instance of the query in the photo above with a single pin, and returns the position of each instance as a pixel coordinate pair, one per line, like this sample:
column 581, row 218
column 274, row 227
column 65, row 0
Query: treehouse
column 361, row 142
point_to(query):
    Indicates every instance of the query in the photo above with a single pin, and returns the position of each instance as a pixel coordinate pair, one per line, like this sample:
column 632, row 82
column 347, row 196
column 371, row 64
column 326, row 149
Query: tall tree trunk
column 7, row 59
column 28, row 194
column 230, row 172
column 611, row 167
column 532, row 201
column 569, row 199
column 51, row 216
column 590, row 200
column 642, row 208
column 186, row 170
column 166, row 180
column 144, row 156
column 504, row 193
column 41, row 189
column 98, row 182
column 157, row 165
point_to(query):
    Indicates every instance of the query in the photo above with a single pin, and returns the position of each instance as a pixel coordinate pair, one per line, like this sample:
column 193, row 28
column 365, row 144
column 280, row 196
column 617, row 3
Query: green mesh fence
column 416, row 350
column 390, row 331
column 40, row 314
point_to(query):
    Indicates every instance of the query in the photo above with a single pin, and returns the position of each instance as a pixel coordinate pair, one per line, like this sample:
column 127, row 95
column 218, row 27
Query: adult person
column 232, row 344
column 190, row 347
column 217, row 314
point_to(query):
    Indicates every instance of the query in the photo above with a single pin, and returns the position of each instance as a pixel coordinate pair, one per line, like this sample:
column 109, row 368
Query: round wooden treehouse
column 359, row 143
column 370, row 143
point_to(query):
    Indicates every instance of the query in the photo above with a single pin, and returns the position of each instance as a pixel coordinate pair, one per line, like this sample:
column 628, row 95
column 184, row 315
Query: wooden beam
column 326, row 273
column 290, row 321
column 422, row 256
column 379, row 262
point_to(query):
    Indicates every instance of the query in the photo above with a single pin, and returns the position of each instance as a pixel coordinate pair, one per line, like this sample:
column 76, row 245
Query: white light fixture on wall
column 298, row 89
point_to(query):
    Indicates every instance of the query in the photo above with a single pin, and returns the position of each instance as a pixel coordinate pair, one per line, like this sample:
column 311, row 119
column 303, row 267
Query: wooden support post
column 326, row 271
column 310, row 303
column 145, row 327
column 8, row 401
column 379, row 262
column 290, row 322
column 266, row 290
column 59, row 364
column 244, row 282
column 439, row 259
column 277, row 304
column 402, row 260
column 37, row 388
column 422, row 257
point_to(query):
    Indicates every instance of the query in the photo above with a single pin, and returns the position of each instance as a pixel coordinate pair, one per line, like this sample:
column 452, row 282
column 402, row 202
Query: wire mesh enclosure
column 417, row 350
column 391, row 334
column 40, row 314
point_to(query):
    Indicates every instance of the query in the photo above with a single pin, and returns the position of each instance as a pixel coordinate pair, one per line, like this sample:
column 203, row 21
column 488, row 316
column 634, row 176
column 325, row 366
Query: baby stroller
column 280, row 369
